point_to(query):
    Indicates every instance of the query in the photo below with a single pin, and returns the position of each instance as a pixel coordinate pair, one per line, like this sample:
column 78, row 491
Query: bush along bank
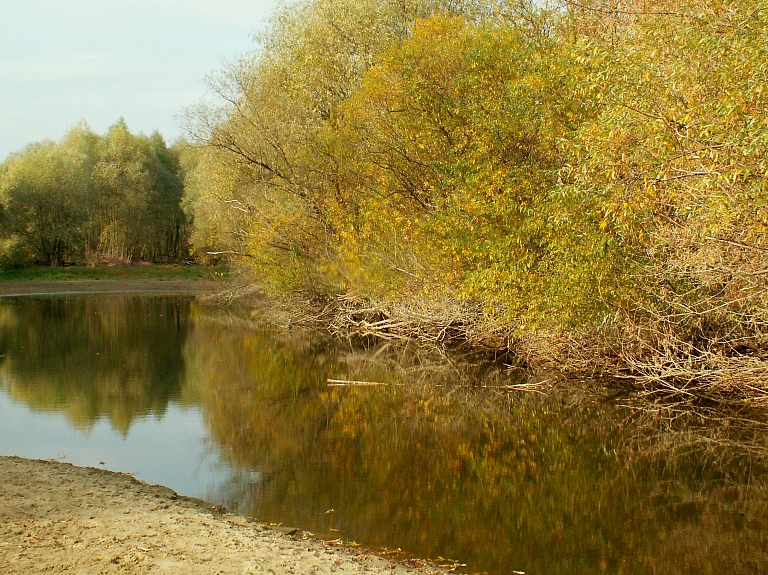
column 581, row 184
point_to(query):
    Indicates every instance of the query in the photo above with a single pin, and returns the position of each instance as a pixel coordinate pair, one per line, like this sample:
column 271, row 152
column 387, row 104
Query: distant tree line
column 93, row 199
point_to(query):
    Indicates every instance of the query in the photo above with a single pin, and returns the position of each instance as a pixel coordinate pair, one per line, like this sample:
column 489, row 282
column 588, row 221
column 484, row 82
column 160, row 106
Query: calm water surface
column 181, row 394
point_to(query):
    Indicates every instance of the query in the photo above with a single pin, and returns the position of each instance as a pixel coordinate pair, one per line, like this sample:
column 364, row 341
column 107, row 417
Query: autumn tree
column 455, row 161
column 268, row 178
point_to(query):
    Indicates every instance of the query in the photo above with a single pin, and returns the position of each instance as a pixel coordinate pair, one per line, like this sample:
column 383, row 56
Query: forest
column 575, row 184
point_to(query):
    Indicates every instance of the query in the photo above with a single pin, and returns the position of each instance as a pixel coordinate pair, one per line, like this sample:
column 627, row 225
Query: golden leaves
column 450, row 152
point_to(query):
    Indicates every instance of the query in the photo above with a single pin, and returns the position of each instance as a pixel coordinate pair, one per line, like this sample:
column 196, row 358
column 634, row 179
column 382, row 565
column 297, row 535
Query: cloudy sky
column 63, row 61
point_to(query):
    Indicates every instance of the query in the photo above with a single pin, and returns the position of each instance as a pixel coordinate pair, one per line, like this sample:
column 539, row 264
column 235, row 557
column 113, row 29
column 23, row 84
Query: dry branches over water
column 447, row 323
column 655, row 360
column 669, row 358
column 701, row 329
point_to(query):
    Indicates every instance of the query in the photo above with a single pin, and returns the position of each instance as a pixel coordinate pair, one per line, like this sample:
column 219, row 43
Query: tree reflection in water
column 116, row 356
column 541, row 484
column 564, row 483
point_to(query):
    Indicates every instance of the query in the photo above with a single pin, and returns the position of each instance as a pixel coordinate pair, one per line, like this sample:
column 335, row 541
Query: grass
column 117, row 272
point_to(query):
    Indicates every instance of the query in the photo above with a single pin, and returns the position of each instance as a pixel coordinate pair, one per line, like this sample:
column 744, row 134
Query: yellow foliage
column 541, row 161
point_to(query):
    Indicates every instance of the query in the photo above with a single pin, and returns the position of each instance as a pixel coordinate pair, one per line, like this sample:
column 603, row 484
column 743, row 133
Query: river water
column 555, row 481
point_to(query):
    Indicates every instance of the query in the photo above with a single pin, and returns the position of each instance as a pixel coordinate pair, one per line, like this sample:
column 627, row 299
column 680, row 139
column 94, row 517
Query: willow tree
column 268, row 183
column 673, row 168
column 44, row 191
column 455, row 163
column 137, row 195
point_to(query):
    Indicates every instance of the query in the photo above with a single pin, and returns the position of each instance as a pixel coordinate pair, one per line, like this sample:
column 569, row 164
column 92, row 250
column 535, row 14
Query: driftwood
column 513, row 387
column 353, row 383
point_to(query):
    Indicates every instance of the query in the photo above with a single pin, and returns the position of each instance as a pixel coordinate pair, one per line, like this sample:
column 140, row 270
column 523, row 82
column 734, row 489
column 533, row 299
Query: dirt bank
column 58, row 518
column 9, row 288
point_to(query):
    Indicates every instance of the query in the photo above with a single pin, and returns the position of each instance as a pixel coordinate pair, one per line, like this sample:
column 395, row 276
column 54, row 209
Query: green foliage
column 44, row 192
column 91, row 198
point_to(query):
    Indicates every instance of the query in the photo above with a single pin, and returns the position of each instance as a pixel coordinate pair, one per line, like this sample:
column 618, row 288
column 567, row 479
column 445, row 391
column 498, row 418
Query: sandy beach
column 58, row 518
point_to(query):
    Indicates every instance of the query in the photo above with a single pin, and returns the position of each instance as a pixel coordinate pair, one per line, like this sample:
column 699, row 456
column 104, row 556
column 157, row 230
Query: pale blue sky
column 63, row 61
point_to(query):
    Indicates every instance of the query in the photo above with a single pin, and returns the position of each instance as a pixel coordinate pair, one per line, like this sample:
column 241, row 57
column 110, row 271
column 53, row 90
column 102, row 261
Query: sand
column 58, row 518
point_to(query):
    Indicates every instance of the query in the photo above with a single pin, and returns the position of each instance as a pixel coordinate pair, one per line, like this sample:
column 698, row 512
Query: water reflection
column 528, row 483
column 113, row 356
column 548, row 484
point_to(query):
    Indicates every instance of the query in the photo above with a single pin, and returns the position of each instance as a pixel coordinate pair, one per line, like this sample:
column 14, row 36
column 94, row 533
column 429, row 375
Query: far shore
column 45, row 287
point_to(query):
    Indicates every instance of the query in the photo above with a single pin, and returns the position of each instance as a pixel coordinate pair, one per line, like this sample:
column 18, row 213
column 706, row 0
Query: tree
column 43, row 192
column 268, row 173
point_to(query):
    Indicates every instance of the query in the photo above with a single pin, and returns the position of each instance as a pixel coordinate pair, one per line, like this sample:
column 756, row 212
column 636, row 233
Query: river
column 568, row 479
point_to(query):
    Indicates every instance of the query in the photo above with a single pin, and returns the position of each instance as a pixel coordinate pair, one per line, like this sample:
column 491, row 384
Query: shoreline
column 56, row 287
column 631, row 357
column 57, row 516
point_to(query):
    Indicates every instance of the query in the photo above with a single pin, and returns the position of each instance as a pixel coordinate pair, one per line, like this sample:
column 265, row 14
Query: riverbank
column 137, row 278
column 46, row 287
column 58, row 517
column 651, row 360
column 655, row 358
column 141, row 270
